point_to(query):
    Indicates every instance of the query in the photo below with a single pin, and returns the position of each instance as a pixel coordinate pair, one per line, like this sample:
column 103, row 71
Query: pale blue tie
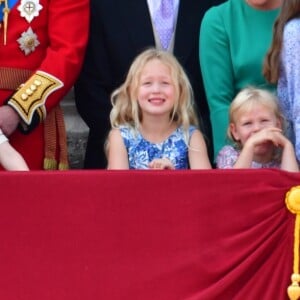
column 164, row 22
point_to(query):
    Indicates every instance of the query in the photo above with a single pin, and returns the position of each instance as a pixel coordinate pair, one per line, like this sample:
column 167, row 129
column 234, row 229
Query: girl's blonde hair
column 248, row 98
column 124, row 99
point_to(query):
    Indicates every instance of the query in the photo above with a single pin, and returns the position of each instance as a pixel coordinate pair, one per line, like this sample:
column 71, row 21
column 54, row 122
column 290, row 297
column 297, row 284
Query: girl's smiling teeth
column 156, row 100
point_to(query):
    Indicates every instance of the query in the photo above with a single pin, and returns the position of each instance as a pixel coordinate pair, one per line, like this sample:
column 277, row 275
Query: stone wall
column 77, row 132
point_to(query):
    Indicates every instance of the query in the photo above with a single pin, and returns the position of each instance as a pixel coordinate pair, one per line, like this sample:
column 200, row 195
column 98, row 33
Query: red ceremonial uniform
column 44, row 50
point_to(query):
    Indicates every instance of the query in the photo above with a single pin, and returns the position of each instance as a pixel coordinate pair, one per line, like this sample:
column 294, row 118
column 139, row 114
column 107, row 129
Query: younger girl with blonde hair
column 255, row 126
column 154, row 125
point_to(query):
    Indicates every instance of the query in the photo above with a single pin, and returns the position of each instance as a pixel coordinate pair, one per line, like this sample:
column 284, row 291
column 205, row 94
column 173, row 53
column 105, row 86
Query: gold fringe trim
column 62, row 166
column 50, row 164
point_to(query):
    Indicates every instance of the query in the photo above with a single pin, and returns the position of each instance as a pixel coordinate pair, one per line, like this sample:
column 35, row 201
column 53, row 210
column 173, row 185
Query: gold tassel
column 292, row 201
column 55, row 138
column 62, row 166
column 50, row 164
column 62, row 140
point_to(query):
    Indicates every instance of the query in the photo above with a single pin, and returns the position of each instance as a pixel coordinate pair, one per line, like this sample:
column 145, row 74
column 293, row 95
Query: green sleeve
column 217, row 72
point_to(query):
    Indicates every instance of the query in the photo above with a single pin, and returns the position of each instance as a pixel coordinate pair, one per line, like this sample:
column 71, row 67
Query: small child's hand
column 160, row 164
column 267, row 135
column 279, row 140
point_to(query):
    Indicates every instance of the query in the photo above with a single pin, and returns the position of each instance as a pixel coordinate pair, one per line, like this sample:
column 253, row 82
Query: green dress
column 234, row 39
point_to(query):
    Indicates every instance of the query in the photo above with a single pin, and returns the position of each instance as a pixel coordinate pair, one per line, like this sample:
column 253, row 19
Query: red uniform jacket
column 44, row 50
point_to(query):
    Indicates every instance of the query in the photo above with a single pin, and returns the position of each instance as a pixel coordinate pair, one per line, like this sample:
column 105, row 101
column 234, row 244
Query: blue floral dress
column 141, row 152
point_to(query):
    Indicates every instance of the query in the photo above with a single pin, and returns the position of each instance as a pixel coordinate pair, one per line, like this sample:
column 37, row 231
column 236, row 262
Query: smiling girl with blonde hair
column 154, row 124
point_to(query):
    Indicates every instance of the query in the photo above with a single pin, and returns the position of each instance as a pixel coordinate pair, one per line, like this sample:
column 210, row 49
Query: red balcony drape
column 145, row 235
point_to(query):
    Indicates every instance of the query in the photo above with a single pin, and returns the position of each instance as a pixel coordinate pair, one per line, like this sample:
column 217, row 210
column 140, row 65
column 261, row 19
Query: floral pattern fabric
column 228, row 156
column 141, row 151
column 288, row 88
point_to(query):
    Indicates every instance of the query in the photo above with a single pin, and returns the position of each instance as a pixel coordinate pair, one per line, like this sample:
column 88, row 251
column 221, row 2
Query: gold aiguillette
column 6, row 11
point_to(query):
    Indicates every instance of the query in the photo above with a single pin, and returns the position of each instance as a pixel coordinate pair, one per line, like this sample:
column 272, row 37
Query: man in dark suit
column 119, row 31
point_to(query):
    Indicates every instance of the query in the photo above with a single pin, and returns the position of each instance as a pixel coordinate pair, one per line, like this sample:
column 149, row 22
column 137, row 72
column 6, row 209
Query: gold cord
column 292, row 202
column 6, row 11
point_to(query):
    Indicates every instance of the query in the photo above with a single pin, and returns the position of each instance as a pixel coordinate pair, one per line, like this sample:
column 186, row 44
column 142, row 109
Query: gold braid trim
column 33, row 95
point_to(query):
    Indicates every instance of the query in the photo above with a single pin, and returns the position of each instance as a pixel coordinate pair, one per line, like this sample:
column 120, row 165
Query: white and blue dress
column 141, row 151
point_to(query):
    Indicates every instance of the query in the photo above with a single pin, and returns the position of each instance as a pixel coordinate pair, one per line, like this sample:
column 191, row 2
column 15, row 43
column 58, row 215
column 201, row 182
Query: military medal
column 28, row 41
column 29, row 9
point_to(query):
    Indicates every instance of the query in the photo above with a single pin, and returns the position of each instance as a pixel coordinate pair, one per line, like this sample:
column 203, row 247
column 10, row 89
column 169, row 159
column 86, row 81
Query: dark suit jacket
column 119, row 31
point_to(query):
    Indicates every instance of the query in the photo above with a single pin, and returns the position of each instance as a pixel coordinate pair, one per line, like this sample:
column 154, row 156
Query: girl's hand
column 271, row 134
column 160, row 164
column 279, row 140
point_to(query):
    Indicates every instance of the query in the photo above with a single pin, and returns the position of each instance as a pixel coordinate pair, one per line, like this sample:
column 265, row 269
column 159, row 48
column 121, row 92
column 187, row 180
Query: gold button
column 37, row 82
column 24, row 96
column 29, row 92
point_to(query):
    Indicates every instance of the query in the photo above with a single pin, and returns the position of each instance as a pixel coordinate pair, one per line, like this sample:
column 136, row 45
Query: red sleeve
column 61, row 28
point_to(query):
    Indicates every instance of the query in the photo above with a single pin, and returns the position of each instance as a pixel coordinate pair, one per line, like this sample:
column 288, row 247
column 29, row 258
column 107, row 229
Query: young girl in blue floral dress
column 154, row 125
